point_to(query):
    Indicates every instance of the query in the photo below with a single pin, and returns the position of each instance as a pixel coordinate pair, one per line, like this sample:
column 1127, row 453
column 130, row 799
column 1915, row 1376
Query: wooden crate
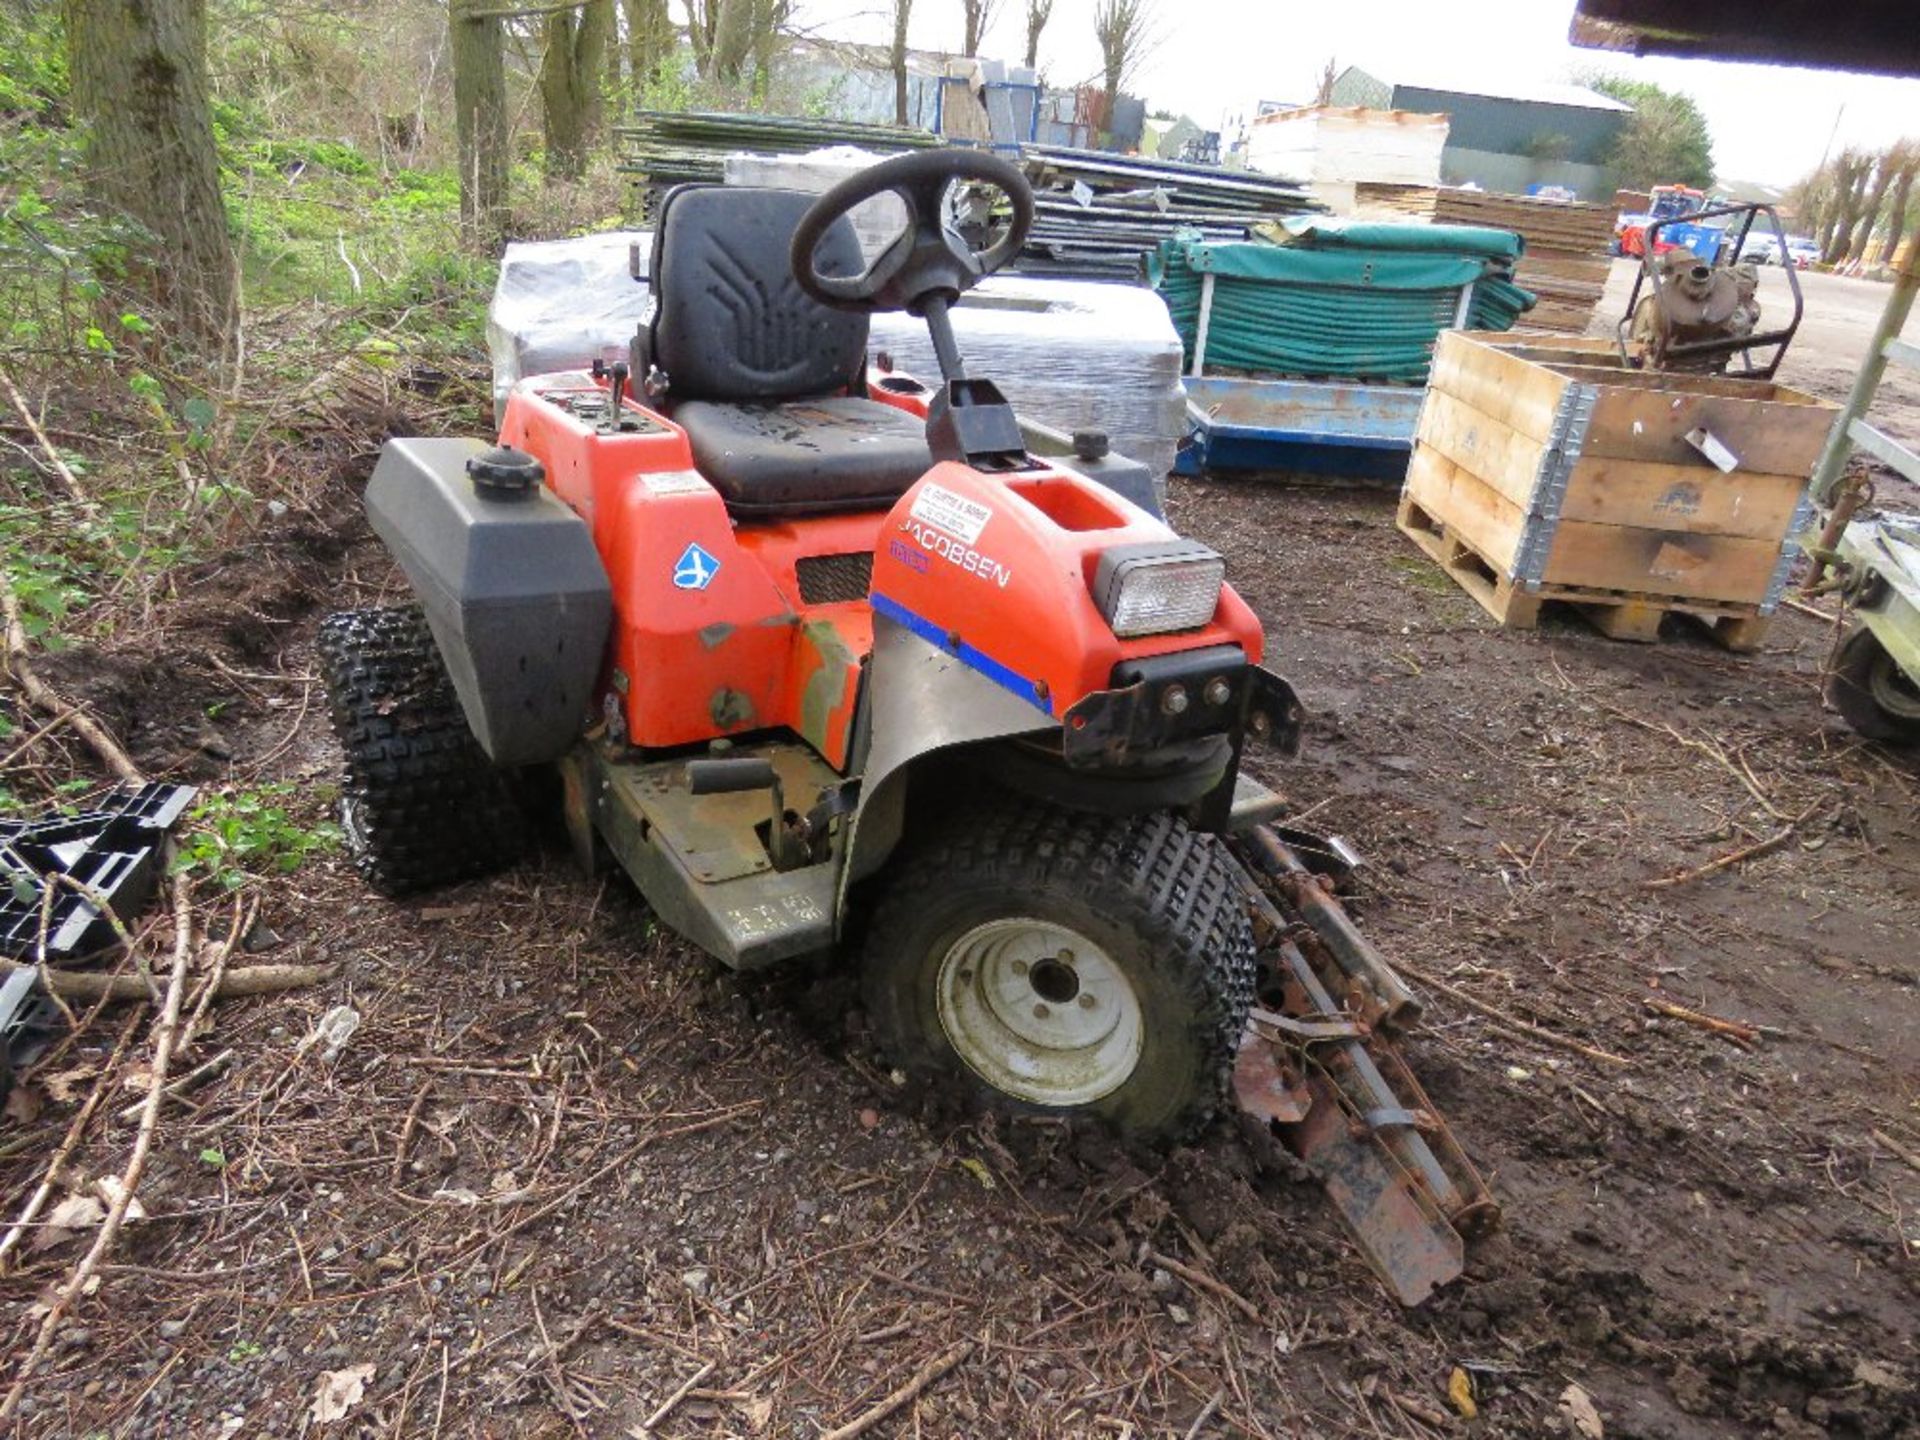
column 1545, row 470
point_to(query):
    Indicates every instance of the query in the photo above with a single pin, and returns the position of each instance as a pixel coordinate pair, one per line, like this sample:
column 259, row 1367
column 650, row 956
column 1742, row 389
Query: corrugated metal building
column 1506, row 137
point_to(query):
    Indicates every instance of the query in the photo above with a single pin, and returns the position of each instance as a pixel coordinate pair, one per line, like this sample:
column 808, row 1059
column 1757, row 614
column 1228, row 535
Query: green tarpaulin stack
column 1339, row 299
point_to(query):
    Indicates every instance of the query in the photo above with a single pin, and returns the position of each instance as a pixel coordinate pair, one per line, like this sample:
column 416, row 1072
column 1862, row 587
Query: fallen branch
column 904, row 1396
column 1734, row 1029
column 163, row 1040
column 1734, row 857
column 249, row 980
column 668, row 1405
column 39, row 693
column 199, row 1075
column 210, row 987
column 1200, row 1280
column 68, row 480
column 1894, row 1147
column 1526, row 1029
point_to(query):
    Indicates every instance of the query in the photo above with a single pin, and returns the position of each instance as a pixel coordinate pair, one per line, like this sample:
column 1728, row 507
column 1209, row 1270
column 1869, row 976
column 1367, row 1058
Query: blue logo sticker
column 695, row 569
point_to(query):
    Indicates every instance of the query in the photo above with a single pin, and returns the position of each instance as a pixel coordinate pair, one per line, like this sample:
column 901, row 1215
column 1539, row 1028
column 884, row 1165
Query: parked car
column 1765, row 250
column 1802, row 250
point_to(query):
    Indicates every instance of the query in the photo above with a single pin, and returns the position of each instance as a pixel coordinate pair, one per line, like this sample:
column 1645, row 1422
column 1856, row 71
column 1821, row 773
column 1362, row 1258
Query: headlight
column 1158, row 587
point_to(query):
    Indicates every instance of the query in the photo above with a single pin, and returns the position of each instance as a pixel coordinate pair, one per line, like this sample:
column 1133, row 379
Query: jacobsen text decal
column 965, row 556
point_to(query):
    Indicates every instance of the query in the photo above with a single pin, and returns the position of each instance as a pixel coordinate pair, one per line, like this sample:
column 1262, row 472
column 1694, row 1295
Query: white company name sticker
column 955, row 514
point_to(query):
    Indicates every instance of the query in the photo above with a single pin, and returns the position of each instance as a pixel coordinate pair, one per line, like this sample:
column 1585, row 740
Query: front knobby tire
column 1067, row 964
column 1871, row 692
column 422, row 805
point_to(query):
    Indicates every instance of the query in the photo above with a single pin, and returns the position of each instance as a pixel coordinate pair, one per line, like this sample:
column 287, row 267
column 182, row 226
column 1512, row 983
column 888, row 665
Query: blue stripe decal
column 1027, row 690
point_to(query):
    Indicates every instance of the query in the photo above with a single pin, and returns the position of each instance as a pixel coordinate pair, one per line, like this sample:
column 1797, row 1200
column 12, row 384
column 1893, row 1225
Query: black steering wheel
column 928, row 259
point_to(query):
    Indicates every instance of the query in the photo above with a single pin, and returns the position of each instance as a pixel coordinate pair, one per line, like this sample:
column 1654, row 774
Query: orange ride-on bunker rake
column 805, row 641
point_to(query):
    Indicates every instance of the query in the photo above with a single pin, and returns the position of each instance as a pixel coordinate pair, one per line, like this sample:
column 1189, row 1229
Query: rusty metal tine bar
column 1351, row 950
column 1404, row 1141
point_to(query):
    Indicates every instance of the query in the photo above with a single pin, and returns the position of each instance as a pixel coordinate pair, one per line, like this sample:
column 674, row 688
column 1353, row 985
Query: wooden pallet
column 1617, row 614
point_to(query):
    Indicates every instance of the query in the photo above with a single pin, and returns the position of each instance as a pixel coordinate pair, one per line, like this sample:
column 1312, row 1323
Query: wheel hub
column 1040, row 1012
column 1892, row 691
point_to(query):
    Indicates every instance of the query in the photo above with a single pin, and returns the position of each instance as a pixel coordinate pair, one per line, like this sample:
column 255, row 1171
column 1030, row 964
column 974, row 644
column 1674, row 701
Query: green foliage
column 1666, row 142
column 249, row 832
column 59, row 256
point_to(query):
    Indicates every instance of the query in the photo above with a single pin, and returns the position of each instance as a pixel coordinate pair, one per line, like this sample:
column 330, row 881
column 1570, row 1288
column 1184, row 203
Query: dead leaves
column 67, row 1219
column 85, row 1208
column 1578, row 1415
column 338, row 1391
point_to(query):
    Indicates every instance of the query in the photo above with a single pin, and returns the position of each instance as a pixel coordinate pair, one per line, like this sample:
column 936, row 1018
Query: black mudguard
column 513, row 588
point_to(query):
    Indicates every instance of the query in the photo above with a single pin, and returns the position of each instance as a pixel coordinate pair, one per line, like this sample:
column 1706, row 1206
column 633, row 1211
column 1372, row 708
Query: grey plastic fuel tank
column 513, row 589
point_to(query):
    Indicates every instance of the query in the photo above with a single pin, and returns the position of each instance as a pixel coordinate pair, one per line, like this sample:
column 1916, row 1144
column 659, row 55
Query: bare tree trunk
column 1849, row 175
column 1897, row 212
column 768, row 17
column 979, row 16
column 732, row 37
column 1323, row 95
column 1122, row 27
column 480, row 120
column 902, row 10
column 139, row 76
column 1870, row 212
column 649, row 42
column 569, row 84
column 1038, row 13
column 701, row 15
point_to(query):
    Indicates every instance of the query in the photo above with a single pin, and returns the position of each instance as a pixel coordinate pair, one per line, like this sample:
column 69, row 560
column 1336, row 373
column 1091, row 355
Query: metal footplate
column 1318, row 1071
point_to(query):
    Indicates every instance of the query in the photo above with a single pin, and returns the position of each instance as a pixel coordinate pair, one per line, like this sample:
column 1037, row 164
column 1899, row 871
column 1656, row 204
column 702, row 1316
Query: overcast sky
column 1217, row 57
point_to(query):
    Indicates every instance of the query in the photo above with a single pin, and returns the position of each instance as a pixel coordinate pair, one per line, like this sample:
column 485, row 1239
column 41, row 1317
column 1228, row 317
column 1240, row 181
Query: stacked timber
column 1549, row 472
column 1098, row 215
column 665, row 148
column 1392, row 202
column 1567, row 259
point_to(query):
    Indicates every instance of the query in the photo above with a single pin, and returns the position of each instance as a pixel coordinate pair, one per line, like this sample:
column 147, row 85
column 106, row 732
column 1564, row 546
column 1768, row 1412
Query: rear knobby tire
column 1870, row 692
column 1144, row 905
column 422, row 805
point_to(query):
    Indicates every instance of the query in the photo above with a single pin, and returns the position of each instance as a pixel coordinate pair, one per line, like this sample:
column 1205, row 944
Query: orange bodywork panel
column 713, row 637
column 999, row 569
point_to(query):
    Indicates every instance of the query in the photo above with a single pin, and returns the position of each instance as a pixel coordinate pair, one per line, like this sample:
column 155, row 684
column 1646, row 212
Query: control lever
column 734, row 776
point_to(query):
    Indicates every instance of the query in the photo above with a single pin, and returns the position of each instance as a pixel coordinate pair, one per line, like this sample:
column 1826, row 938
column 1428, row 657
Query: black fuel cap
column 505, row 473
column 1091, row 445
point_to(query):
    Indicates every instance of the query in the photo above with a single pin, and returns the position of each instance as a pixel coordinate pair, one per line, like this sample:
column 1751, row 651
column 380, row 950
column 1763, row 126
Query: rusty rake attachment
column 1318, row 1071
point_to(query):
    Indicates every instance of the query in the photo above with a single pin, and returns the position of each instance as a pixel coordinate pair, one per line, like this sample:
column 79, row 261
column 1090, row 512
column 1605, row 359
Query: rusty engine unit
column 1694, row 314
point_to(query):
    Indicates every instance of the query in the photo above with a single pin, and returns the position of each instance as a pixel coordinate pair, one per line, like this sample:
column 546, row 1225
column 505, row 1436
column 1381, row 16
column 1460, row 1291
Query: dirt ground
column 567, row 1170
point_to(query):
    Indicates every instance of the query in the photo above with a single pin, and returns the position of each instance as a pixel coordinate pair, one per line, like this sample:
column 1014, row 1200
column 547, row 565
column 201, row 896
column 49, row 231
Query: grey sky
column 1217, row 57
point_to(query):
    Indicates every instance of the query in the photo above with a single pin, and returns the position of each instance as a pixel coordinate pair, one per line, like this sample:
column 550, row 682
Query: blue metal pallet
column 1319, row 427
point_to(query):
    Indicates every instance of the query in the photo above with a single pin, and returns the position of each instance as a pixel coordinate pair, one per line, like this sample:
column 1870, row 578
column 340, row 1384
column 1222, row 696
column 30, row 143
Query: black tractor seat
column 759, row 374
column 839, row 452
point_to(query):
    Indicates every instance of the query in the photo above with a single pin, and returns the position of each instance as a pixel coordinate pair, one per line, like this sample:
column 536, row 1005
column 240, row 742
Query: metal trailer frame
column 1882, row 555
column 1851, row 429
column 1320, row 427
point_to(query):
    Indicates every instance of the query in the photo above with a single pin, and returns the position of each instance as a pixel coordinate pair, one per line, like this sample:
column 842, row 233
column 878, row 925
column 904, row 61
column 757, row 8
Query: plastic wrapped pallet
column 1073, row 354
column 562, row 304
column 1348, row 144
column 878, row 222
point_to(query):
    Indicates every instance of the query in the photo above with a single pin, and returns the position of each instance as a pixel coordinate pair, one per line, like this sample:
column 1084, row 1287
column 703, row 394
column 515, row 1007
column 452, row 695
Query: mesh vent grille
column 827, row 578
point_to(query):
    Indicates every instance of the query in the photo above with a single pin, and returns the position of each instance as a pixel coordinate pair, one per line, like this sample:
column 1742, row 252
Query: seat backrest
column 730, row 323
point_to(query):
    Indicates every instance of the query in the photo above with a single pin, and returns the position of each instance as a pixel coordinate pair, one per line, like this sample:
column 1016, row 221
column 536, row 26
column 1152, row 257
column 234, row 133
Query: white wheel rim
column 352, row 829
column 1039, row 1012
